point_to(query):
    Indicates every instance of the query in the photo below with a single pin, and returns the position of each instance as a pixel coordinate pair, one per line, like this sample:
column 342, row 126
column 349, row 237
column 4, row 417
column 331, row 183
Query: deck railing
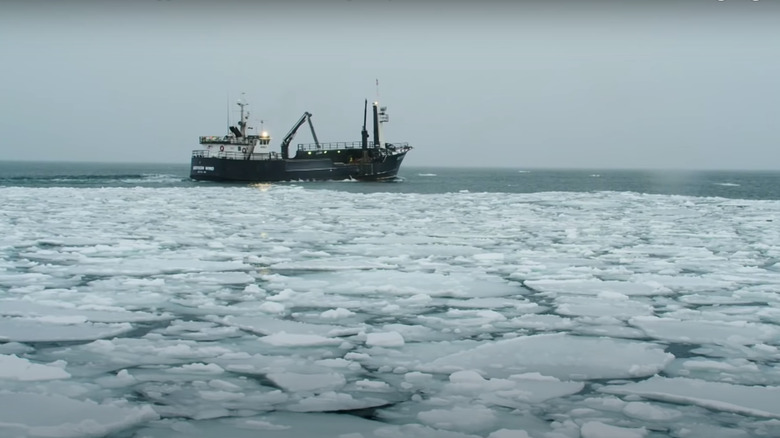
column 249, row 139
column 205, row 153
column 343, row 145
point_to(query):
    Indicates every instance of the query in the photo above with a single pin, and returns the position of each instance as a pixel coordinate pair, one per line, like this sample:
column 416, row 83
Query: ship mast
column 242, row 122
column 227, row 112
column 380, row 117
column 377, row 140
column 364, row 133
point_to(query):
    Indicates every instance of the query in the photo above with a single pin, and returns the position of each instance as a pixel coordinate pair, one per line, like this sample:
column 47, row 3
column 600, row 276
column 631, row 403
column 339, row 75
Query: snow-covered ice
column 286, row 311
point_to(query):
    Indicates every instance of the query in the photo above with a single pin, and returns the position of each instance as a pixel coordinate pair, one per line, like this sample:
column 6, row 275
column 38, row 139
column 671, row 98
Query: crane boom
column 288, row 138
column 313, row 134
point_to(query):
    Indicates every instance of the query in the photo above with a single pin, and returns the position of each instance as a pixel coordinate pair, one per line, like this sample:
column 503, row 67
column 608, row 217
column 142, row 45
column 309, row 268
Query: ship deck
column 305, row 150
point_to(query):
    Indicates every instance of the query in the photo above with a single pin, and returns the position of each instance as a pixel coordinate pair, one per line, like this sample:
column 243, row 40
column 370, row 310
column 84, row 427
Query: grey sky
column 691, row 84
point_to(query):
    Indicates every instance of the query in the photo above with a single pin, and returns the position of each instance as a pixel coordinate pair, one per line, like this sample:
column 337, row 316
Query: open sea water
column 451, row 303
column 726, row 184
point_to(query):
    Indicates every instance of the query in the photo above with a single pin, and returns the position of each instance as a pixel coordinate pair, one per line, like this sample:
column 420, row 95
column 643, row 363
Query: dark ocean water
column 726, row 184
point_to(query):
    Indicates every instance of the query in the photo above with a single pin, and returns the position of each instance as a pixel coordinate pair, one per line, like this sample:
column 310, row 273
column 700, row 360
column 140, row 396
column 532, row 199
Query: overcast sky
column 691, row 84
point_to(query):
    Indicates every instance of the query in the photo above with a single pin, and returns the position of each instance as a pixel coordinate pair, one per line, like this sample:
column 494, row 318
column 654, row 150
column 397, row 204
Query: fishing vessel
column 240, row 156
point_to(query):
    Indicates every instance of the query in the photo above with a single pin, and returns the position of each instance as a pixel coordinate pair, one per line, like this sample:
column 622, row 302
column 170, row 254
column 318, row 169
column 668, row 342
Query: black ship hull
column 314, row 169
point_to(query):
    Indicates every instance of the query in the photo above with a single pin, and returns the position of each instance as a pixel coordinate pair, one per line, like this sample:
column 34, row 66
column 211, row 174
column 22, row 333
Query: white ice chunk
column 268, row 325
column 276, row 425
column 388, row 339
column 596, row 429
column 330, row 401
column 493, row 303
column 399, row 283
column 15, row 348
column 706, row 332
column 372, row 385
column 333, row 264
column 558, row 355
column 542, row 322
column 759, row 401
column 337, row 313
column 459, row 418
column 66, row 313
column 679, row 283
column 22, row 279
column 271, row 307
column 219, row 278
column 298, row 382
column 516, row 392
column 122, row 379
column 224, row 385
column 613, row 305
column 282, row 339
column 16, row 368
column 123, row 352
column 197, row 368
column 696, row 430
column 27, row 330
column 596, row 287
column 509, row 433
column 649, row 412
column 55, row 416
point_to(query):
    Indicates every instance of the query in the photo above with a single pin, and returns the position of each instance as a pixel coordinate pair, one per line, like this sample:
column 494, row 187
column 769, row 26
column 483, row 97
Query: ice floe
column 291, row 311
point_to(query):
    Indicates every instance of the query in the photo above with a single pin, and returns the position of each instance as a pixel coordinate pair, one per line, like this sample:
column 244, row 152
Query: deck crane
column 288, row 138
